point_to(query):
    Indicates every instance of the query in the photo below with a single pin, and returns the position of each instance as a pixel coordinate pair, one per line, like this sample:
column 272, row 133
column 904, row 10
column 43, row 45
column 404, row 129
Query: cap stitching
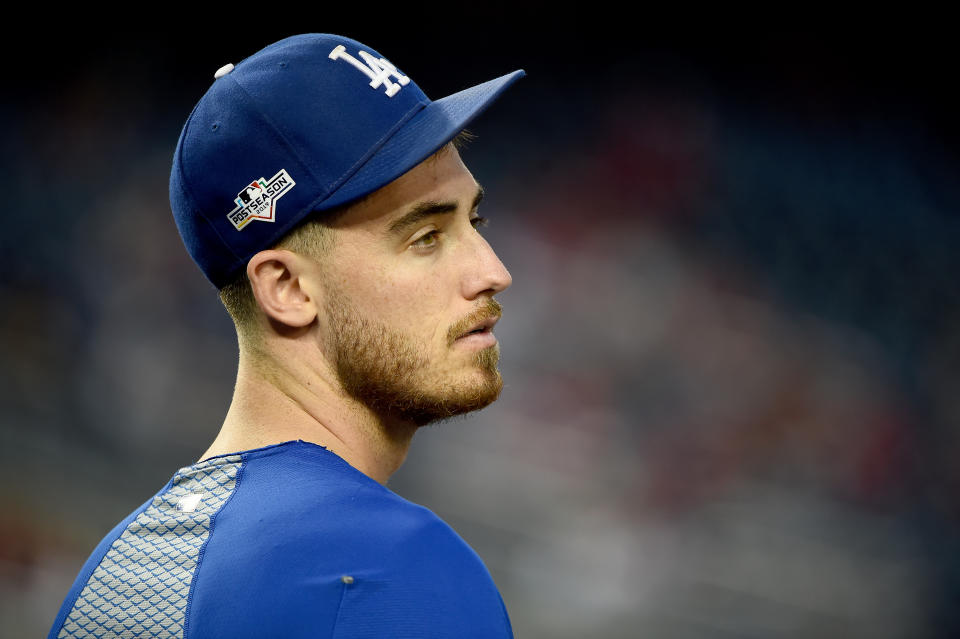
column 189, row 190
column 340, row 181
column 276, row 131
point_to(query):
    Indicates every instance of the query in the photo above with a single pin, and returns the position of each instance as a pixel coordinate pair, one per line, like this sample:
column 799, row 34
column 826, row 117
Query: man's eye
column 479, row 222
column 427, row 240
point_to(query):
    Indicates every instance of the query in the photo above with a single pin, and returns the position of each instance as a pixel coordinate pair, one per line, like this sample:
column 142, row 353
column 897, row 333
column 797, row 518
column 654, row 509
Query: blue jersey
column 283, row 541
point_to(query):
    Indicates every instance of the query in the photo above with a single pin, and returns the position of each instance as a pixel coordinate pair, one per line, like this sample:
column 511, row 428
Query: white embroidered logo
column 189, row 502
column 378, row 70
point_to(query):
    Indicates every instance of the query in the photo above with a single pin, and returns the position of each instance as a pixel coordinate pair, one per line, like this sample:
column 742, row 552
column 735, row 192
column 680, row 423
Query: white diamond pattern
column 141, row 586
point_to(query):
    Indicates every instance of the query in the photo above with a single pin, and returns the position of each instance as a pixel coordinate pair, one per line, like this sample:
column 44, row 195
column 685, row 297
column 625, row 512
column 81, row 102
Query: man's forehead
column 441, row 177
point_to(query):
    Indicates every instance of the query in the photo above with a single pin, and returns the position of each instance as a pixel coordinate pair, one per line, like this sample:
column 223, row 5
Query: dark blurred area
column 730, row 350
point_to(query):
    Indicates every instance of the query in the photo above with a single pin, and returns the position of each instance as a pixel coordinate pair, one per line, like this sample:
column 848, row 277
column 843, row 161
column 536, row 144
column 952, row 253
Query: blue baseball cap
column 306, row 124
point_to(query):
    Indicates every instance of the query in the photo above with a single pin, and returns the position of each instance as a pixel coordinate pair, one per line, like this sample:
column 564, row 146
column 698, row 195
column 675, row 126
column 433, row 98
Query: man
column 318, row 188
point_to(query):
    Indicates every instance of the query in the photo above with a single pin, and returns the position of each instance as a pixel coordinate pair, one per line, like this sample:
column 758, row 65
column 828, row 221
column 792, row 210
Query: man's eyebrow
column 424, row 210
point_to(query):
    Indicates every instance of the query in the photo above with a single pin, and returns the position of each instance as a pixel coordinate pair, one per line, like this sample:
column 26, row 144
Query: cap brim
column 425, row 133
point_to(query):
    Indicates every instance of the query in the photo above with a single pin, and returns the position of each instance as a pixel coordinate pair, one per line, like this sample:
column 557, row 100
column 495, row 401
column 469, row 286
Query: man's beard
column 391, row 374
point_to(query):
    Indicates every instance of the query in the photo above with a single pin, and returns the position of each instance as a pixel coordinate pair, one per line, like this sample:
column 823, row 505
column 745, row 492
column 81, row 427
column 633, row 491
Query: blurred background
column 731, row 349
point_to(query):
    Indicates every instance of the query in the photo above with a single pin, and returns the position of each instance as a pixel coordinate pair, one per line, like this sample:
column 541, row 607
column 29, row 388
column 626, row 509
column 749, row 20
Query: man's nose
column 486, row 273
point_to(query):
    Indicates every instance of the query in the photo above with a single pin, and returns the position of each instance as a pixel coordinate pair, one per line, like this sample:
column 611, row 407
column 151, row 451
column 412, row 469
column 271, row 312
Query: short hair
column 313, row 238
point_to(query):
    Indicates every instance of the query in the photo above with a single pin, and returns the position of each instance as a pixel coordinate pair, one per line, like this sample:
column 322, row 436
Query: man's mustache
column 488, row 309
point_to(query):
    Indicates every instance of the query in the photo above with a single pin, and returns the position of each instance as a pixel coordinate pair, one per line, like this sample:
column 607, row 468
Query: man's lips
column 482, row 326
column 476, row 328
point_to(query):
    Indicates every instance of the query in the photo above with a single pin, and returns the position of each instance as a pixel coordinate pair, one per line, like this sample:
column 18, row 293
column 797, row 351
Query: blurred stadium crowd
column 731, row 350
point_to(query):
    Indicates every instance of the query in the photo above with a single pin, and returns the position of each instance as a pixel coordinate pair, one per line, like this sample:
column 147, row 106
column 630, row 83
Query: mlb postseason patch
column 257, row 200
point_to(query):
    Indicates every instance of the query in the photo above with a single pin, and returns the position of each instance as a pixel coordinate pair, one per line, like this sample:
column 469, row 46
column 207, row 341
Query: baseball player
column 323, row 194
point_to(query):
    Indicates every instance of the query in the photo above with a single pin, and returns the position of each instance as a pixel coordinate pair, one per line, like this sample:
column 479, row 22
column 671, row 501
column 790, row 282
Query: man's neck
column 278, row 399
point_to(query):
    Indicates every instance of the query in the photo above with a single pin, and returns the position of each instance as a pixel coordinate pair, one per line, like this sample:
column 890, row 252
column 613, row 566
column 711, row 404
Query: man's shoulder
column 301, row 494
column 306, row 543
column 308, row 483
column 287, row 540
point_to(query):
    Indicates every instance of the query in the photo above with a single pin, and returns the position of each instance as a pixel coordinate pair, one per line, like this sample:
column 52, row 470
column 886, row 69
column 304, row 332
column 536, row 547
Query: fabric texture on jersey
column 141, row 587
column 301, row 545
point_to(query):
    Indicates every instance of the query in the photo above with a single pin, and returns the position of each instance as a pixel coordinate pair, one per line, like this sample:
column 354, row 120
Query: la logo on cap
column 378, row 70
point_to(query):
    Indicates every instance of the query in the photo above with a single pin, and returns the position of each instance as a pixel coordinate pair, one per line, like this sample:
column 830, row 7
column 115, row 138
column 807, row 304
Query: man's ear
column 277, row 278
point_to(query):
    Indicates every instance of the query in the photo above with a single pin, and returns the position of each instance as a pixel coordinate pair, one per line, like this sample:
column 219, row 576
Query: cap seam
column 273, row 127
column 203, row 215
column 340, row 181
column 189, row 191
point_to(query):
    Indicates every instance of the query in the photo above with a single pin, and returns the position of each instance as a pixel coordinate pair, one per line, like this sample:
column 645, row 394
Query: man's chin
column 396, row 378
column 487, row 359
column 436, row 409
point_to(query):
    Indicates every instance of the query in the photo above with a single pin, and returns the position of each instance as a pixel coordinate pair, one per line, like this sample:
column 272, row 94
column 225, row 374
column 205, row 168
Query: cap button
column 222, row 71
